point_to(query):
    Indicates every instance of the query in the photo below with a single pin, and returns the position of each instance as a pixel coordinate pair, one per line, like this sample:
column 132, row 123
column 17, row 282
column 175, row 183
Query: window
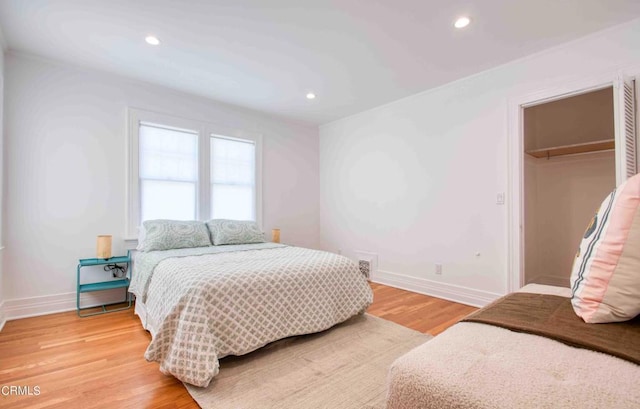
column 188, row 170
column 233, row 179
column 168, row 173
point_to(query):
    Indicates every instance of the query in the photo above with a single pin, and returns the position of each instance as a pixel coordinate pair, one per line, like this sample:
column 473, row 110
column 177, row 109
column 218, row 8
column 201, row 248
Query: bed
column 202, row 304
column 475, row 365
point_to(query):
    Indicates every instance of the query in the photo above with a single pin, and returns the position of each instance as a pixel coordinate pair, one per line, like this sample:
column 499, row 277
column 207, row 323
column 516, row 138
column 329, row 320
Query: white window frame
column 205, row 131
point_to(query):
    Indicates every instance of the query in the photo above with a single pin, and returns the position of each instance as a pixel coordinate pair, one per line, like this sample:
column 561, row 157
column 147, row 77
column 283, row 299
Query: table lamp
column 104, row 246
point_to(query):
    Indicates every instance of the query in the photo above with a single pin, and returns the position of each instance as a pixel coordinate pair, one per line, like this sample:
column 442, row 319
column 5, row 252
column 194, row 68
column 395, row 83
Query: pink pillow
column 605, row 278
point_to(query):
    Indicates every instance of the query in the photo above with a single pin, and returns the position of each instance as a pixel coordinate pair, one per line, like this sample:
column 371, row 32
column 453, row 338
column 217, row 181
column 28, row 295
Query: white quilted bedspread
column 203, row 307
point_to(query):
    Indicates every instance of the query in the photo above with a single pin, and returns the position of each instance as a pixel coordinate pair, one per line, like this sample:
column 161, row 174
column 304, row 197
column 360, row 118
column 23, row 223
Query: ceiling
column 267, row 54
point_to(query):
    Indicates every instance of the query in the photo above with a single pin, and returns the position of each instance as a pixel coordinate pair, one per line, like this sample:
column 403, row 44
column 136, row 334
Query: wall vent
column 367, row 263
column 365, row 268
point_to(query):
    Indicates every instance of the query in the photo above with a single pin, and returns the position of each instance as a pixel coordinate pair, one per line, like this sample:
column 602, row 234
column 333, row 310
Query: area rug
column 342, row 368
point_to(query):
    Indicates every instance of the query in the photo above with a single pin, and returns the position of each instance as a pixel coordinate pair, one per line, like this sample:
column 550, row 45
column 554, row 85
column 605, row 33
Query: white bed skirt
column 140, row 310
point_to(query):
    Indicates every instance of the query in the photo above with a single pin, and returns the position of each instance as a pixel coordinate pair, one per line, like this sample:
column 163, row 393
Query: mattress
column 203, row 304
column 473, row 365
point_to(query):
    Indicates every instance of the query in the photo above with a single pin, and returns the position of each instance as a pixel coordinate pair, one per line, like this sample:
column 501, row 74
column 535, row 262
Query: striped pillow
column 605, row 278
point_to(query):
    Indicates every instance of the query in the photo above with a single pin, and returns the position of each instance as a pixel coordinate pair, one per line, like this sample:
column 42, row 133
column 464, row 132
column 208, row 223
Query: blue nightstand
column 103, row 285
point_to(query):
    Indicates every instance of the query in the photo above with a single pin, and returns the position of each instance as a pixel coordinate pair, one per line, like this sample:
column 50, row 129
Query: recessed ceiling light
column 152, row 40
column 462, row 22
column 311, row 95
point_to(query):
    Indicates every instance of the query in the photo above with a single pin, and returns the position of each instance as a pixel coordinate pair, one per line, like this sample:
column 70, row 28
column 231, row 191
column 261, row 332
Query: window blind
column 168, row 173
column 233, row 182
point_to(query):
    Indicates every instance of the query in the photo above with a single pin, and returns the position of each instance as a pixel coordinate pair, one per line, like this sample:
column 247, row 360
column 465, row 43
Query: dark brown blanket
column 553, row 317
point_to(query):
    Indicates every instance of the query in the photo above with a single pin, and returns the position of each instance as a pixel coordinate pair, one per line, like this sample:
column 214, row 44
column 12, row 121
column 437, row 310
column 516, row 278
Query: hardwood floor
column 416, row 311
column 97, row 362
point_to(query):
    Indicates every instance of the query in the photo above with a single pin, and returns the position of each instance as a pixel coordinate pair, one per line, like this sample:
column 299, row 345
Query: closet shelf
column 585, row 147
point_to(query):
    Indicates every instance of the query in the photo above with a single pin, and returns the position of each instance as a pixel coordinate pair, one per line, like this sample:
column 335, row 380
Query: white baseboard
column 3, row 319
column 51, row 304
column 451, row 292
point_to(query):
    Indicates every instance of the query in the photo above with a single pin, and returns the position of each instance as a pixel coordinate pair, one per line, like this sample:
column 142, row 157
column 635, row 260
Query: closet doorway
column 569, row 167
column 569, row 146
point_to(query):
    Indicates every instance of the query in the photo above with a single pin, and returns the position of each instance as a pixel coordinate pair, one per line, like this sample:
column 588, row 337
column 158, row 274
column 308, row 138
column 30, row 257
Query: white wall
column 415, row 181
column 66, row 171
column 2, row 313
column 530, row 193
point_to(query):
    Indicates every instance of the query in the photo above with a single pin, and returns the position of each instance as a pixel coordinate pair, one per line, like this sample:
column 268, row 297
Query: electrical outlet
column 340, row 251
column 439, row 269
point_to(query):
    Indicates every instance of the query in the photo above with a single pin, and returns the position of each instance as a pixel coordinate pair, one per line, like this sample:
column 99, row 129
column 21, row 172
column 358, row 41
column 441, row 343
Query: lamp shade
column 104, row 246
column 275, row 235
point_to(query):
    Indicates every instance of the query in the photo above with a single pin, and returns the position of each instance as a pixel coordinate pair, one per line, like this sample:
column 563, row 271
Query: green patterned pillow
column 173, row 234
column 225, row 231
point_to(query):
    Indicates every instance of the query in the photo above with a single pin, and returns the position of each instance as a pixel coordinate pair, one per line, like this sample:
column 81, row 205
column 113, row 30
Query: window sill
column 131, row 243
